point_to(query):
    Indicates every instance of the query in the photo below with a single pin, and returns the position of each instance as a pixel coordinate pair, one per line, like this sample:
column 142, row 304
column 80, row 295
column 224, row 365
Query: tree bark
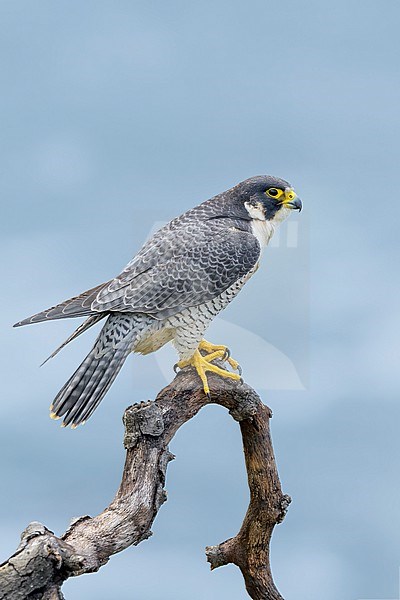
column 43, row 561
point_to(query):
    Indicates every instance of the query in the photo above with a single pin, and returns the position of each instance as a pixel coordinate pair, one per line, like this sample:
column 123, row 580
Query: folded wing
column 184, row 264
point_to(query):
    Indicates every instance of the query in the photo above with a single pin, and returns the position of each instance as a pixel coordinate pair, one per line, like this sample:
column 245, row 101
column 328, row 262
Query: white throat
column 262, row 229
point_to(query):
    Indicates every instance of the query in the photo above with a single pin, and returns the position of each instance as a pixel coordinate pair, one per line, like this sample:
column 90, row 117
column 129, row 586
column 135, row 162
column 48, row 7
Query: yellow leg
column 208, row 347
column 202, row 364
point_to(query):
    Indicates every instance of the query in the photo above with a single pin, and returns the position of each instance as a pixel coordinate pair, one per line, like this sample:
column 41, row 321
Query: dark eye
column 274, row 192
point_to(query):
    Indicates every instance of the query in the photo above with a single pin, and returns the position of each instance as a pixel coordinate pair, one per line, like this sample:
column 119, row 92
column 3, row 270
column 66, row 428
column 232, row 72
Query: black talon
column 241, row 381
column 176, row 367
column 227, row 354
column 239, row 369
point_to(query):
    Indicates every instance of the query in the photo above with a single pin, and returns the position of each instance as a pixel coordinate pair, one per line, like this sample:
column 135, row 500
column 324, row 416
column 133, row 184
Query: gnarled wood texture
column 44, row 561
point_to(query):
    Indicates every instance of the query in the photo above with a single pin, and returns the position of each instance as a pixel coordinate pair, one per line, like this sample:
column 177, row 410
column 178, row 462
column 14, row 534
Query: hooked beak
column 292, row 200
column 295, row 204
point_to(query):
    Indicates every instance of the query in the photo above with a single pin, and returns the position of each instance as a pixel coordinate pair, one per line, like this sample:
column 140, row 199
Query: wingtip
column 45, row 361
column 24, row 322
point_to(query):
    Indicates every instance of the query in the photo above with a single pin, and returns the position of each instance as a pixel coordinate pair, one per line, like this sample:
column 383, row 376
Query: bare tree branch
column 43, row 561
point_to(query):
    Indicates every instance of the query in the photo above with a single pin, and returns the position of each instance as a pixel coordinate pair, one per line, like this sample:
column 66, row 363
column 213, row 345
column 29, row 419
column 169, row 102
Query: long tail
column 83, row 392
column 90, row 321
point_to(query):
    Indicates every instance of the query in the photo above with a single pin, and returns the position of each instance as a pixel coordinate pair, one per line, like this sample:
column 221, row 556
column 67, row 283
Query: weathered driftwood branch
column 43, row 561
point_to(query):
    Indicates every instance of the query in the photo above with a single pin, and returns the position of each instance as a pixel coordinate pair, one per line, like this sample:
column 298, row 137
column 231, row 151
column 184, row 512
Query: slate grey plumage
column 172, row 289
column 82, row 393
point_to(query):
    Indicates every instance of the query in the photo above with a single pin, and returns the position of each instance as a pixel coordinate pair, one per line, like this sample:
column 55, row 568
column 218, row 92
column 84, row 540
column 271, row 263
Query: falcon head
column 267, row 198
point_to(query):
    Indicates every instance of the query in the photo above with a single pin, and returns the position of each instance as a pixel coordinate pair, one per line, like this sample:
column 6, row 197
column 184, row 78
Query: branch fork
column 43, row 561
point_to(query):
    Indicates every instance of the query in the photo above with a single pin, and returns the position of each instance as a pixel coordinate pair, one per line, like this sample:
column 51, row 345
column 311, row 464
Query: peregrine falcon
column 171, row 290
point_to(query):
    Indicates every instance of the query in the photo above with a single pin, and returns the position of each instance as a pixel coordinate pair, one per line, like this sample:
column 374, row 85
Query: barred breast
column 189, row 325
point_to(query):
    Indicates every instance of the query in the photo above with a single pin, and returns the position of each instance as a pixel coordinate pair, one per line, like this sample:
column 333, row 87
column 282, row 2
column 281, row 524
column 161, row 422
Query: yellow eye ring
column 274, row 193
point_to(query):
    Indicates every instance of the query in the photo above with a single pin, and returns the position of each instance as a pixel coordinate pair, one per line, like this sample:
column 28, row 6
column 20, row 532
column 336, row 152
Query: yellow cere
column 290, row 195
column 275, row 193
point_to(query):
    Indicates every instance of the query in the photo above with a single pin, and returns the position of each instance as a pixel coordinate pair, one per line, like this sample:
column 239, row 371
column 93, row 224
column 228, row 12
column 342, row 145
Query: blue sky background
column 117, row 116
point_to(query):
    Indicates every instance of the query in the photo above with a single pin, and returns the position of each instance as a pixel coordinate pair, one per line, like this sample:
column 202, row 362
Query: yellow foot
column 211, row 348
column 202, row 364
